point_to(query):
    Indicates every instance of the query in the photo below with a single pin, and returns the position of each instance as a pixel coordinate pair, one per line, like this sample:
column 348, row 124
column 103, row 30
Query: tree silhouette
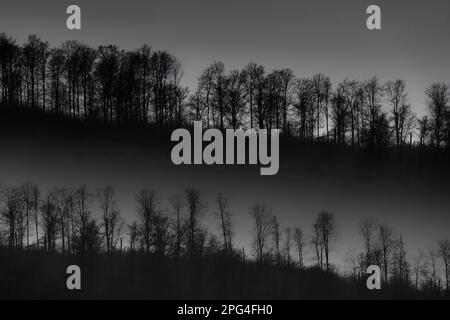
column 287, row 245
column 304, row 108
column 299, row 242
column 177, row 203
column 262, row 228
column 110, row 216
column 49, row 223
column 276, row 235
column 385, row 238
column 30, row 204
column 225, row 222
column 63, row 206
column 437, row 97
column 133, row 234
column 340, row 115
column 12, row 213
column 366, row 230
column 444, row 253
column 196, row 237
column 147, row 206
column 401, row 111
column 82, row 199
column 325, row 232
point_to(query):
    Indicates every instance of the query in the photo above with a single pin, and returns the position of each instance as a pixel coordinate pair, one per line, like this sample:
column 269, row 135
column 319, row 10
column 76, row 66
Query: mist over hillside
column 406, row 189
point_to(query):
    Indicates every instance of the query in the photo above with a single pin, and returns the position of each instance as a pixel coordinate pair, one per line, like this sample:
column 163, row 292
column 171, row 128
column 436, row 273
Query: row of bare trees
column 280, row 245
column 80, row 82
column 362, row 113
column 144, row 86
column 60, row 220
column 63, row 220
column 79, row 221
column 76, row 221
column 384, row 247
column 272, row 242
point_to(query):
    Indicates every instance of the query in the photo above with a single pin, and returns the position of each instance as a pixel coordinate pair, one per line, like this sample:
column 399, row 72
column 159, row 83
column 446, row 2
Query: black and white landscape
column 86, row 175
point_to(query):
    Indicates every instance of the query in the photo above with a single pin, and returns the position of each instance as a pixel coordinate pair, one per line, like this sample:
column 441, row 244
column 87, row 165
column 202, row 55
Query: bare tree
column 317, row 243
column 386, row 241
column 147, row 207
column 261, row 87
column 396, row 95
column 10, row 65
column 62, row 200
column 366, row 230
column 444, row 253
column 160, row 235
column 340, row 115
column 44, row 54
column 353, row 96
column 304, row 107
column 34, row 205
column 225, row 216
column 326, row 230
column 31, row 62
column 418, row 268
column 287, row 245
column 177, row 204
column 205, row 93
column 234, row 99
column 286, row 77
column 424, row 130
column 29, row 199
column 133, row 234
column 49, row 223
column 400, row 264
column 321, row 90
column 106, row 71
column 356, row 264
column 12, row 206
column 299, row 241
column 250, row 74
column 195, row 207
column 432, row 253
column 82, row 200
column 402, row 115
column 262, row 228
column 110, row 216
column 373, row 93
column 87, row 58
column 218, row 73
column 56, row 66
column 437, row 97
column 276, row 236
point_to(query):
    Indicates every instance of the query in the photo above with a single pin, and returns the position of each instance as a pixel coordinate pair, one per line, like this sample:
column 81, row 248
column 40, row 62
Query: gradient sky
column 309, row 37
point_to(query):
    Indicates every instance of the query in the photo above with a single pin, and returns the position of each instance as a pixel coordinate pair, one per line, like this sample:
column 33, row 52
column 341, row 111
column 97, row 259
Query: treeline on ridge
column 144, row 86
column 80, row 222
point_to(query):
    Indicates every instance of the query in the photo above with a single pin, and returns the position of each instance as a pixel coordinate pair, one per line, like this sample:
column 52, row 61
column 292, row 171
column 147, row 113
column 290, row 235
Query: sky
column 307, row 36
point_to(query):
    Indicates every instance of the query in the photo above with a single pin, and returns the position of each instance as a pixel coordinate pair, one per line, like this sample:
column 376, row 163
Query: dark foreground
column 39, row 275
